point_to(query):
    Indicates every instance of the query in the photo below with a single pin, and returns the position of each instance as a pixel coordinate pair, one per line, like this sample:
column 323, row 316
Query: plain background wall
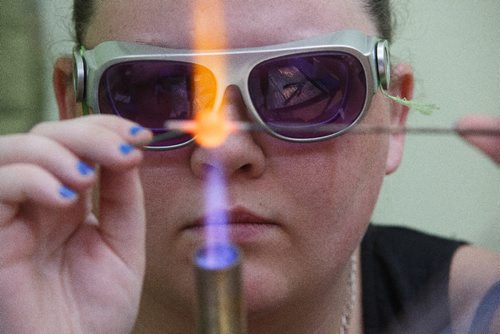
column 443, row 186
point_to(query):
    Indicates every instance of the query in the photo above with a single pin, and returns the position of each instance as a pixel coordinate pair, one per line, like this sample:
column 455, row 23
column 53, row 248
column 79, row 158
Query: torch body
column 218, row 283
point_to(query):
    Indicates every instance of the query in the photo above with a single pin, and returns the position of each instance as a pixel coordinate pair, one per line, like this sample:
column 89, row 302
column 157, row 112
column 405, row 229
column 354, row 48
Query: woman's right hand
column 489, row 145
column 63, row 269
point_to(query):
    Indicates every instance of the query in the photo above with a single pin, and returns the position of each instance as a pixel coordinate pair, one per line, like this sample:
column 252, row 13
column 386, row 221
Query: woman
column 297, row 211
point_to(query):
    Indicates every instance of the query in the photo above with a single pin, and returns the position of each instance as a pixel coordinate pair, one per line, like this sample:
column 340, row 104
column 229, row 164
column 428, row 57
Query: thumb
column 490, row 145
column 122, row 216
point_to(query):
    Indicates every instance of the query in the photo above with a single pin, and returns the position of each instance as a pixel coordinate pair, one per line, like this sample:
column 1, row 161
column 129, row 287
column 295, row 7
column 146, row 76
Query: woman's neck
column 322, row 312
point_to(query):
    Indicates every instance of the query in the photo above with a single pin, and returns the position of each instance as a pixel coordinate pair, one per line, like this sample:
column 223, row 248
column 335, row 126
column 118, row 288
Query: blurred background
column 443, row 186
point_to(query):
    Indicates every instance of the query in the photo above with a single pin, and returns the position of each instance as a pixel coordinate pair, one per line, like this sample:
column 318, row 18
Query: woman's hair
column 380, row 10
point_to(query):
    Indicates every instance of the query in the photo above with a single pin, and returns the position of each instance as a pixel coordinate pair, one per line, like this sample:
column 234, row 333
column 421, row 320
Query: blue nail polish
column 67, row 193
column 135, row 130
column 84, row 169
column 126, row 149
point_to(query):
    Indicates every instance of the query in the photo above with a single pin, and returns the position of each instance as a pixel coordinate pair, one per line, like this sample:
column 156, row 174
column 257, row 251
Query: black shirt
column 405, row 277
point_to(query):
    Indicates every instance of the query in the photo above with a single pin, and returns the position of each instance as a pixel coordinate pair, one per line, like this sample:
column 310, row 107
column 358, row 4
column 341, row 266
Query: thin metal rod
column 357, row 129
column 178, row 127
column 424, row 130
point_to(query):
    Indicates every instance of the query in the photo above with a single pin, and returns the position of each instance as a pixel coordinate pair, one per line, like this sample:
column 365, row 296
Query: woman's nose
column 239, row 154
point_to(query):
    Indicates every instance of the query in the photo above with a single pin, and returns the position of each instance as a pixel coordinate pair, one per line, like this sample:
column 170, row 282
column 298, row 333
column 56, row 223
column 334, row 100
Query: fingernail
column 67, row 193
column 134, row 130
column 84, row 169
column 126, row 149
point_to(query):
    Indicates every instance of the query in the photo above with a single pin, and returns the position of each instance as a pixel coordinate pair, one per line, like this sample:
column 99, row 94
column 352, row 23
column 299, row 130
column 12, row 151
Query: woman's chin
column 264, row 289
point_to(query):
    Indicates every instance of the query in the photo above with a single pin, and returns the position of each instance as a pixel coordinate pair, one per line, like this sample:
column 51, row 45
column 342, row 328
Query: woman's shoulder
column 406, row 256
column 410, row 274
column 405, row 275
column 474, row 289
column 417, row 253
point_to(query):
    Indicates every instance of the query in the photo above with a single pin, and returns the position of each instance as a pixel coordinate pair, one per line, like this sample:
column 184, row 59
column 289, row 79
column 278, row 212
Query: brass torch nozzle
column 218, row 281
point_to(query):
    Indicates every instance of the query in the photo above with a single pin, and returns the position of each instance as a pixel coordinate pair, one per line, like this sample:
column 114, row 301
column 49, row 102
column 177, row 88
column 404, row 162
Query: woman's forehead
column 225, row 24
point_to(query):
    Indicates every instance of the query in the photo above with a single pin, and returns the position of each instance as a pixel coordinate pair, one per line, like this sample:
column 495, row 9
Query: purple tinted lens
column 297, row 95
column 152, row 92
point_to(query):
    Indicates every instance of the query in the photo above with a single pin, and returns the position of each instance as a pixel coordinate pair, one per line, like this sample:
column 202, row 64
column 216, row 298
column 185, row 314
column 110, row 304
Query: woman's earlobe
column 402, row 86
column 63, row 88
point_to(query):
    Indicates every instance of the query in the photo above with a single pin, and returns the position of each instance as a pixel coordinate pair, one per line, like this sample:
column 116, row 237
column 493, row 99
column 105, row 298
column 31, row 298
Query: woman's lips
column 242, row 226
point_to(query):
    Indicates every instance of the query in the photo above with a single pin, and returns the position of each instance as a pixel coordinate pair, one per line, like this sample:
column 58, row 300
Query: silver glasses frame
column 233, row 67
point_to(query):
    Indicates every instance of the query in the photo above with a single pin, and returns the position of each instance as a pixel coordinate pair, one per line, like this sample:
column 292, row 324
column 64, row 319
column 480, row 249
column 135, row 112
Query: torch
column 218, row 283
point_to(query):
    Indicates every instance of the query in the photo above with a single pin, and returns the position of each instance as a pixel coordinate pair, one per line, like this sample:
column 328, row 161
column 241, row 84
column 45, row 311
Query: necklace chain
column 351, row 299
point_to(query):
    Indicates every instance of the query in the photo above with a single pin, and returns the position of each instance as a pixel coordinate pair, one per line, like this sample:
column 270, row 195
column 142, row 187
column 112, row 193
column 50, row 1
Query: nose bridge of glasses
column 232, row 104
column 231, row 73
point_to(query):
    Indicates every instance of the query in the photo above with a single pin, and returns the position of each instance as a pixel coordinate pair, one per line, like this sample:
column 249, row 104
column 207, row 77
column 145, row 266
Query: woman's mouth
column 239, row 226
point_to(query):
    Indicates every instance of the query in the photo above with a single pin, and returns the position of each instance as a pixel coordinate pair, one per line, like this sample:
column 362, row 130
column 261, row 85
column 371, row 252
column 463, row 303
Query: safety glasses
column 294, row 91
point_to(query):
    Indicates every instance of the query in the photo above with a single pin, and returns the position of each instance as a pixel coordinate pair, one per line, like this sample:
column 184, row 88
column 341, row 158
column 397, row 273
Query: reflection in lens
column 152, row 92
column 294, row 95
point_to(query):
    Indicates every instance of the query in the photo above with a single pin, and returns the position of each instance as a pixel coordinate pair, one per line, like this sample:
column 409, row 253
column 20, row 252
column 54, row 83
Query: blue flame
column 216, row 220
column 216, row 257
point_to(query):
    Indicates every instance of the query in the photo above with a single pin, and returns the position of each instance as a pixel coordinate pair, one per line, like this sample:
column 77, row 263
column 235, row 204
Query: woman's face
column 298, row 210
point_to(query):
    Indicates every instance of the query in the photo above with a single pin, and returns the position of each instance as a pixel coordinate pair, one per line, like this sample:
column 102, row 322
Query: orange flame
column 211, row 126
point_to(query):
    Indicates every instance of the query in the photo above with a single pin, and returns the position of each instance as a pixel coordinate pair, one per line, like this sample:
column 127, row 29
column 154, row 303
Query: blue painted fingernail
column 84, row 169
column 67, row 193
column 135, row 130
column 126, row 149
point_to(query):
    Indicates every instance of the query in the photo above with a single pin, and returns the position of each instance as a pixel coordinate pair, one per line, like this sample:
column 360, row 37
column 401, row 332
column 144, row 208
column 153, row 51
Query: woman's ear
column 401, row 86
column 63, row 88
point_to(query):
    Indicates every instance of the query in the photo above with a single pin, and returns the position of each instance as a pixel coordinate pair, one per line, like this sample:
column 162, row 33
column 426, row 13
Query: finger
column 95, row 142
column 122, row 216
column 127, row 129
column 50, row 155
column 490, row 145
column 24, row 182
column 32, row 194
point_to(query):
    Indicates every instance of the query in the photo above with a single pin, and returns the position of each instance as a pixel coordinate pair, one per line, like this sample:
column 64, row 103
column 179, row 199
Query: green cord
column 423, row 108
column 85, row 109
